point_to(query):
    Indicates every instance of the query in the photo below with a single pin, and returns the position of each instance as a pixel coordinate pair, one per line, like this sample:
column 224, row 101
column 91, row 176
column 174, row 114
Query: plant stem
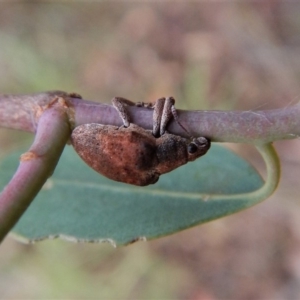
column 272, row 163
column 35, row 167
column 18, row 112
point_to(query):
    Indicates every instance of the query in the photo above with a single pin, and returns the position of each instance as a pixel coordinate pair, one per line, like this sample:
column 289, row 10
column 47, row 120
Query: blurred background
column 220, row 55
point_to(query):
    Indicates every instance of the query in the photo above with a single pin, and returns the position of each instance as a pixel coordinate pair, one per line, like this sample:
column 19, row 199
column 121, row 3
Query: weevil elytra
column 131, row 154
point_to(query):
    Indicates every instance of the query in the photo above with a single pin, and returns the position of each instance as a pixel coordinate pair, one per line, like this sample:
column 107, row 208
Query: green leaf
column 79, row 204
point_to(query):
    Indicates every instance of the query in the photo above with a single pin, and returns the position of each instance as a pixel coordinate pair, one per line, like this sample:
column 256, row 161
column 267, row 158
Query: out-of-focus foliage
column 219, row 55
column 203, row 54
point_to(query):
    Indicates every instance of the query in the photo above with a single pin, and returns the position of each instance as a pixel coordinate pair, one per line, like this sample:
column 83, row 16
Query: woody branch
column 17, row 112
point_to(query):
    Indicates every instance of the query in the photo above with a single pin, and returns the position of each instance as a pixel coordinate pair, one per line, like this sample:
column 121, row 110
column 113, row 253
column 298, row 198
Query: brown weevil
column 131, row 154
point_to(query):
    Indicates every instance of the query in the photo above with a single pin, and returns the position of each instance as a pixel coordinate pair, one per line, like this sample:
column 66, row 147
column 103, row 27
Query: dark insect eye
column 192, row 148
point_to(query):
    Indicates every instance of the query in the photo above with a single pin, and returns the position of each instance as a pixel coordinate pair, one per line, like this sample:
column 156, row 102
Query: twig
column 254, row 127
column 36, row 165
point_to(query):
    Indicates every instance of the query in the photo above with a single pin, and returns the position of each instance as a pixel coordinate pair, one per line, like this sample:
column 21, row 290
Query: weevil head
column 197, row 147
column 174, row 151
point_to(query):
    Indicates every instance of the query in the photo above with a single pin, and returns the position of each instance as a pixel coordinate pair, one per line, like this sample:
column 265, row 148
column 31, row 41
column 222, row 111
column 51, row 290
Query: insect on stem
column 175, row 116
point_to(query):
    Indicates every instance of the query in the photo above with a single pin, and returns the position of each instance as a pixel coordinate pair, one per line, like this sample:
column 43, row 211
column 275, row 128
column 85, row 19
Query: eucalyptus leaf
column 78, row 204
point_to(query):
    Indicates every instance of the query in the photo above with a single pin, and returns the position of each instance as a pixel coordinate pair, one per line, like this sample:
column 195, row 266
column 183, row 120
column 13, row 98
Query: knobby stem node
column 36, row 165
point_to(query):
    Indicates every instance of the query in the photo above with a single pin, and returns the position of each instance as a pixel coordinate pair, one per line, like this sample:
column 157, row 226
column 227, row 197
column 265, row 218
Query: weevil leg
column 167, row 114
column 120, row 105
column 157, row 115
column 164, row 111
